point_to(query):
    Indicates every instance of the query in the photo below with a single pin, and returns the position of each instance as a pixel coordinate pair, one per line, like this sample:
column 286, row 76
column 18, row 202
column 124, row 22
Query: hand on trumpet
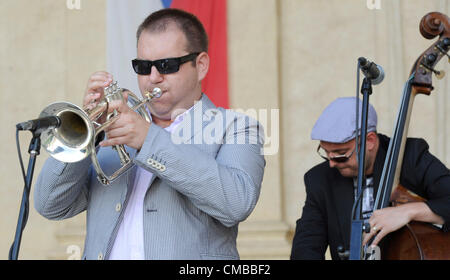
column 94, row 89
column 128, row 129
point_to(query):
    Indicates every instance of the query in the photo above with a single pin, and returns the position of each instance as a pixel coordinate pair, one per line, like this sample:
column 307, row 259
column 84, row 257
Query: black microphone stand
column 357, row 225
column 33, row 150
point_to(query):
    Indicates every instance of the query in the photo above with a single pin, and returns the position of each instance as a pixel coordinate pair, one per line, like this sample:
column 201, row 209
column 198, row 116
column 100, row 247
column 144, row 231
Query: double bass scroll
column 416, row 240
column 432, row 25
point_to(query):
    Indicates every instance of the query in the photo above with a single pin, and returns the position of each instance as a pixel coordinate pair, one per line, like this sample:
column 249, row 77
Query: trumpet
column 75, row 138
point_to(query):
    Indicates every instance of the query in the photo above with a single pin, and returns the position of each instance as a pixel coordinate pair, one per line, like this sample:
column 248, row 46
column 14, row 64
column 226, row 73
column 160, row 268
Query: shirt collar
column 177, row 121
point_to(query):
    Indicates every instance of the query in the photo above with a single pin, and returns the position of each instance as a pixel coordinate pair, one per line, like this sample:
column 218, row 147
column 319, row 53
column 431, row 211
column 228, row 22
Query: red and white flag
column 123, row 18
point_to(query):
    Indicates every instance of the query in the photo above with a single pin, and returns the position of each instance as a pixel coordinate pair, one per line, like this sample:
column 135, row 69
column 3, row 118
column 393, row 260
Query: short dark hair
column 189, row 24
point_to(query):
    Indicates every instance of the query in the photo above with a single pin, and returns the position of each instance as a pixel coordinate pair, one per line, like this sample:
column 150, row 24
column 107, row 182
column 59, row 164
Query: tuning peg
column 443, row 46
column 439, row 74
column 446, row 42
column 430, row 59
column 448, row 56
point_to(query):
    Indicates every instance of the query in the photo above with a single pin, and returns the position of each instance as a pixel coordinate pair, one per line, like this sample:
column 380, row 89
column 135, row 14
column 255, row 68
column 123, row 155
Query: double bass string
column 393, row 150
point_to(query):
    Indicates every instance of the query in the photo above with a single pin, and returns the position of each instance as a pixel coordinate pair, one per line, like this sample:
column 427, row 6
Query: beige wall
column 47, row 54
column 292, row 55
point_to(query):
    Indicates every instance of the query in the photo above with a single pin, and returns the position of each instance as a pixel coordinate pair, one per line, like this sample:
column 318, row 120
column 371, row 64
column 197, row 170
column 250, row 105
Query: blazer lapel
column 202, row 107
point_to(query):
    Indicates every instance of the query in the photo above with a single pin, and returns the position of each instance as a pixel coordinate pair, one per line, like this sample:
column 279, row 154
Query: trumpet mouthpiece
column 156, row 92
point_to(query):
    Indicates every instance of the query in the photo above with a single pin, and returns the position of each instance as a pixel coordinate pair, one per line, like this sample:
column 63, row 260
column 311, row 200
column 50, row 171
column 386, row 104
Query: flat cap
column 337, row 123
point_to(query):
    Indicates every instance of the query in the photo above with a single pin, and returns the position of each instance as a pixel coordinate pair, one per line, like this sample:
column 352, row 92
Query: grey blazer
column 201, row 188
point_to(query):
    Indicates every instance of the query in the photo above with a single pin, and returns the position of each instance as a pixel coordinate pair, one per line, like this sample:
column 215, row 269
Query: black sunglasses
column 339, row 158
column 164, row 66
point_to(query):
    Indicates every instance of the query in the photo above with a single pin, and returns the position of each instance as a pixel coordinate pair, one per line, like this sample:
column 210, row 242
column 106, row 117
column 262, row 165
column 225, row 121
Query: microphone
column 371, row 70
column 39, row 125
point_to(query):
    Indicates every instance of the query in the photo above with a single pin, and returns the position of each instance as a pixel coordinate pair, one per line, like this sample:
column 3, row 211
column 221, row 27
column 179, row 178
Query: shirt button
column 100, row 256
column 118, row 207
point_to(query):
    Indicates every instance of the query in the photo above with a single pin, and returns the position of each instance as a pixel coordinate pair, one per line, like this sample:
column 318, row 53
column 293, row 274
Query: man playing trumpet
column 179, row 201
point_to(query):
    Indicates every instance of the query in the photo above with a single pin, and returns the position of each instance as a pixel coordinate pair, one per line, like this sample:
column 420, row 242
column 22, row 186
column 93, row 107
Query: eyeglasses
column 164, row 66
column 339, row 158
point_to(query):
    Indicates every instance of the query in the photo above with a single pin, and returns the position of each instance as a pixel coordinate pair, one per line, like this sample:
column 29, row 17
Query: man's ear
column 371, row 140
column 202, row 64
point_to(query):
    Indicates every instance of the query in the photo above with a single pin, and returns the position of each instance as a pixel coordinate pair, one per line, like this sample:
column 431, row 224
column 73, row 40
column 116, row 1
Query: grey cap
column 337, row 123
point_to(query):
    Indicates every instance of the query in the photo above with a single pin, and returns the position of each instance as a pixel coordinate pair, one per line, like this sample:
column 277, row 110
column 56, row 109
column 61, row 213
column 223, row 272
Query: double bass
column 416, row 240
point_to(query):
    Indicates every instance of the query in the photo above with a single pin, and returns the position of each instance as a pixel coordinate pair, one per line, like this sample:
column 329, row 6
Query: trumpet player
column 180, row 200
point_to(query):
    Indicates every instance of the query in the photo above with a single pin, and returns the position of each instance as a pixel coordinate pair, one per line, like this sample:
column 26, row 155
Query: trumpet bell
column 73, row 140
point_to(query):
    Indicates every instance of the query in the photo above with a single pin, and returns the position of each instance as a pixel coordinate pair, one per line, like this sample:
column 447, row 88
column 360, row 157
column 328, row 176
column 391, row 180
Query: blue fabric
column 166, row 3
